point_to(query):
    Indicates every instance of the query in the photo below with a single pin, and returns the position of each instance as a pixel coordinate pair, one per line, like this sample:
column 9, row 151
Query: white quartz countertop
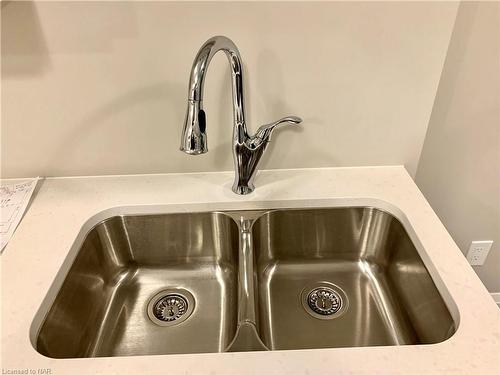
column 62, row 206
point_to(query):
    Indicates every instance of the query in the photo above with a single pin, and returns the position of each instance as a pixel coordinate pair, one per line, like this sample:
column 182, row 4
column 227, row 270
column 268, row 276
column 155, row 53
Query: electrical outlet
column 478, row 251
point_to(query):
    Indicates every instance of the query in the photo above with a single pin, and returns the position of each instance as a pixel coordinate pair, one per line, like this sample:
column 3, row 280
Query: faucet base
column 243, row 189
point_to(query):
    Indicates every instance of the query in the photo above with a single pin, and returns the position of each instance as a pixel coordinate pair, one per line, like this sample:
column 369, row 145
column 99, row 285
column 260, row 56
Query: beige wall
column 100, row 87
column 459, row 171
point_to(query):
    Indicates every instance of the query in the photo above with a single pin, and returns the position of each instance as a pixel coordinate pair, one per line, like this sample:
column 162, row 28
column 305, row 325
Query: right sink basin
column 343, row 277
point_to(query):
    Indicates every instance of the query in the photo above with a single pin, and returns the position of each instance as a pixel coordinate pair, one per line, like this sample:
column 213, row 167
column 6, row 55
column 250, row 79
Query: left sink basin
column 143, row 285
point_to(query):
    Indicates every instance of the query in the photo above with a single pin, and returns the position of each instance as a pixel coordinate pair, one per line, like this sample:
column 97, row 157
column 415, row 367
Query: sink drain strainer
column 170, row 307
column 324, row 300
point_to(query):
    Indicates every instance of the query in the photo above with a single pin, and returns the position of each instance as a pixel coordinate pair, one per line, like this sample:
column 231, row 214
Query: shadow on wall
column 24, row 50
column 272, row 84
column 91, row 125
column 222, row 90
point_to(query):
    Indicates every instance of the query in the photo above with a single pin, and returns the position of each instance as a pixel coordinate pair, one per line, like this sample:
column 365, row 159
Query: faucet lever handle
column 264, row 132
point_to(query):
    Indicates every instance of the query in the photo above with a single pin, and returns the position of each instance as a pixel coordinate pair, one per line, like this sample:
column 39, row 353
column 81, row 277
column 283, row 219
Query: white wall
column 101, row 87
column 459, row 171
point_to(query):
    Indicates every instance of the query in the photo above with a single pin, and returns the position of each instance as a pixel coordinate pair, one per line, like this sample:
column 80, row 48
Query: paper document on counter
column 14, row 199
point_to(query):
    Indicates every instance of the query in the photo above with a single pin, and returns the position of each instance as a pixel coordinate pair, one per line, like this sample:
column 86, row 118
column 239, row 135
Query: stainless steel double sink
column 244, row 280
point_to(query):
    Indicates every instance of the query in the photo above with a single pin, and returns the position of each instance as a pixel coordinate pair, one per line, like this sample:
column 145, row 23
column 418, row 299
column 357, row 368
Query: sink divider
column 246, row 337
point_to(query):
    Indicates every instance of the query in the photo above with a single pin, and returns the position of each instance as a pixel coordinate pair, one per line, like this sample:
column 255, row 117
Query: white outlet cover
column 478, row 251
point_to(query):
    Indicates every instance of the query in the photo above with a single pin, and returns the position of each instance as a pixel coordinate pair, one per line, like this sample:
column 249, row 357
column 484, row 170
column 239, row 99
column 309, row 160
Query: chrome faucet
column 247, row 150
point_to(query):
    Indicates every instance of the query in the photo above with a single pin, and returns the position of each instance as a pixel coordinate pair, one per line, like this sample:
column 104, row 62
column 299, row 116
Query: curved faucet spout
column 194, row 138
column 247, row 150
